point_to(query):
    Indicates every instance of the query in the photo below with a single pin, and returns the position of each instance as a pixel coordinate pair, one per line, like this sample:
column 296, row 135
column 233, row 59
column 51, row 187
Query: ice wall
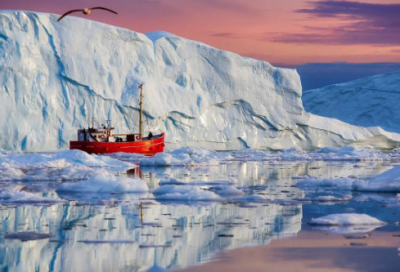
column 55, row 76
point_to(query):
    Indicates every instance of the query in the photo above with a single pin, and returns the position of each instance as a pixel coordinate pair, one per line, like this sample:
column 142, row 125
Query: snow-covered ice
column 55, row 76
column 345, row 153
column 345, row 219
column 62, row 165
column 187, row 156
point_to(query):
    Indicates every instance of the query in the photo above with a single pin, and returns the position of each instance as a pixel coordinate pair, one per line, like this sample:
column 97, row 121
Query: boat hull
column 145, row 147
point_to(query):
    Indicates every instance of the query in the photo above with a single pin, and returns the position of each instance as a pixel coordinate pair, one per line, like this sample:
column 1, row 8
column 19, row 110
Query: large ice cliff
column 55, row 76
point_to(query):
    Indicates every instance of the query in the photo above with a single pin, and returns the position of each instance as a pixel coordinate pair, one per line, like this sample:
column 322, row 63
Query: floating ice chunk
column 62, row 159
column 184, row 193
column 349, row 153
column 77, row 157
column 17, row 197
column 27, row 236
column 346, row 220
column 388, row 181
column 346, row 153
column 7, row 172
column 337, row 183
column 102, row 183
column 186, row 156
column 63, row 165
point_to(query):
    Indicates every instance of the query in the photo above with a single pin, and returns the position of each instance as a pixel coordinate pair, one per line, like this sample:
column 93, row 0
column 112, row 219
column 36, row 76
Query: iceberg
column 55, row 76
column 366, row 102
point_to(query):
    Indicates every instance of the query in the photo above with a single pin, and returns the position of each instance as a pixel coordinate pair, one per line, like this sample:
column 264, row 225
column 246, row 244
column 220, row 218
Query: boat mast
column 141, row 110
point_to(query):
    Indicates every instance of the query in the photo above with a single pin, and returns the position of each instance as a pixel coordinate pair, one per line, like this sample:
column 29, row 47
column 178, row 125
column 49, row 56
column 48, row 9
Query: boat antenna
column 141, row 109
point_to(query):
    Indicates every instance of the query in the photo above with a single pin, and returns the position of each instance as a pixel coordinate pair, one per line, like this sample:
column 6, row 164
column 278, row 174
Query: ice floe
column 346, row 153
column 102, row 183
column 63, row 165
column 60, row 159
column 346, row 219
column 185, row 157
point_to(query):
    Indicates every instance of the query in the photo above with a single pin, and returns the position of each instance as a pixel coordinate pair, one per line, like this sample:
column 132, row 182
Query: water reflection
column 170, row 235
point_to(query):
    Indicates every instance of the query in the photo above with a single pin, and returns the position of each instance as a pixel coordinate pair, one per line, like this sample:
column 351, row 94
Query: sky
column 282, row 32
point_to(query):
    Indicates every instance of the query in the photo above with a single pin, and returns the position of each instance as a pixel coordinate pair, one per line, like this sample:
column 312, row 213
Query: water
column 87, row 236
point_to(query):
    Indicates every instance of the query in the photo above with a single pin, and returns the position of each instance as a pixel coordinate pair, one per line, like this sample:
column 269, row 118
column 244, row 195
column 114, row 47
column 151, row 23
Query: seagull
column 85, row 11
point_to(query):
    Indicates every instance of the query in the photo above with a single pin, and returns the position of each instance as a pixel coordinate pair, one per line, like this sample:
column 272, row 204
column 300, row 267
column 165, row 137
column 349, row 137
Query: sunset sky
column 286, row 32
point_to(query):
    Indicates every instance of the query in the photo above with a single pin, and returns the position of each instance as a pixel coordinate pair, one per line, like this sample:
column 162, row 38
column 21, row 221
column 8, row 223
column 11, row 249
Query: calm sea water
column 119, row 236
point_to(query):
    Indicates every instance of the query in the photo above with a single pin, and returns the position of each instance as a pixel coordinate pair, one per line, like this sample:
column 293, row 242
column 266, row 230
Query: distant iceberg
column 366, row 102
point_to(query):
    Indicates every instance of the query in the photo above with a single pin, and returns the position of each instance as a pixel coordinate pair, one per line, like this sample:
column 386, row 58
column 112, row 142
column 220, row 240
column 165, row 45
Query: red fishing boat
column 103, row 140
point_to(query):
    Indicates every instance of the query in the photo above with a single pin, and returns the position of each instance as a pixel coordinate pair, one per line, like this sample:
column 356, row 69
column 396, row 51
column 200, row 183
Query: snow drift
column 55, row 76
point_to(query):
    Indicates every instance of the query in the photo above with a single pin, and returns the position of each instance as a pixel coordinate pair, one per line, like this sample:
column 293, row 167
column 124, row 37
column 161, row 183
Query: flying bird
column 85, row 11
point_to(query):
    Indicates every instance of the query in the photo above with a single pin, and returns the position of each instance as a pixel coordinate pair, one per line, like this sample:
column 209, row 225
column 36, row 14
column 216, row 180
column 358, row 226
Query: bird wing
column 104, row 9
column 69, row 12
